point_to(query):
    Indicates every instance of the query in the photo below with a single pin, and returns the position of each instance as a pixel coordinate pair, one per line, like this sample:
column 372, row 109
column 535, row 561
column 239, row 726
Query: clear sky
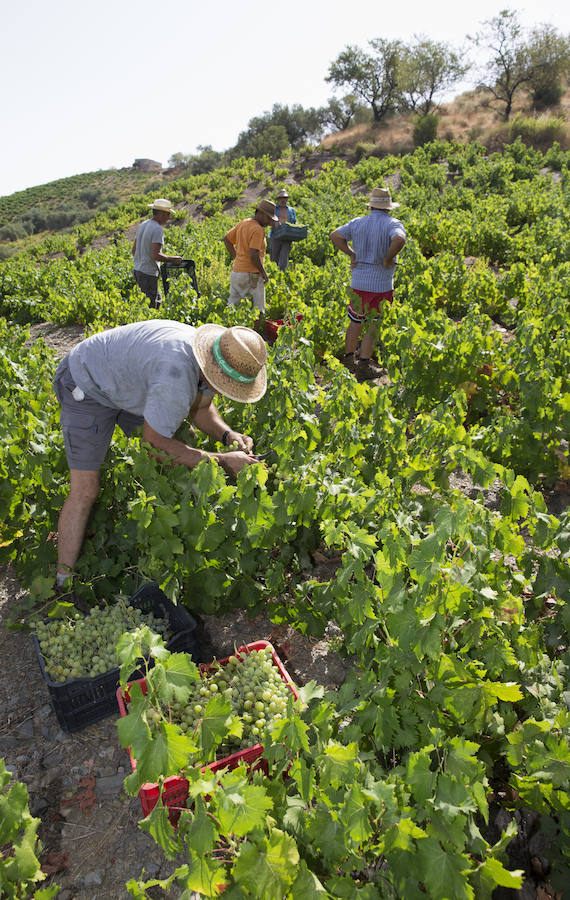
column 91, row 86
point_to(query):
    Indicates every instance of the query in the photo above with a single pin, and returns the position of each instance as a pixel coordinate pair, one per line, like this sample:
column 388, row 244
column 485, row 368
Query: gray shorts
column 149, row 286
column 87, row 425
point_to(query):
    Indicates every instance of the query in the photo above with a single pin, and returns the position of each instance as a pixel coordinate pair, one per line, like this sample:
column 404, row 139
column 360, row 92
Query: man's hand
column 234, row 461
column 388, row 263
column 241, row 442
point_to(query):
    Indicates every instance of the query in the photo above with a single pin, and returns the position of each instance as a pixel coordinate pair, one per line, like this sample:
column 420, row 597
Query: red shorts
column 370, row 300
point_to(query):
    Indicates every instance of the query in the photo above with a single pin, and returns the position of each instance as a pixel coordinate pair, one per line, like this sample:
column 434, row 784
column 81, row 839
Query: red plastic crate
column 175, row 790
column 272, row 326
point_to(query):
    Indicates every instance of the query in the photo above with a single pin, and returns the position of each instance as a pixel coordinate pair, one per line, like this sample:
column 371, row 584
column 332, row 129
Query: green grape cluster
column 84, row 646
column 253, row 687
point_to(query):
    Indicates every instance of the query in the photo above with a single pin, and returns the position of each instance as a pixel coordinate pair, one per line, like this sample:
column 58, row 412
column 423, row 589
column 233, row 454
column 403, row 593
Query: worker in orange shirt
column 246, row 243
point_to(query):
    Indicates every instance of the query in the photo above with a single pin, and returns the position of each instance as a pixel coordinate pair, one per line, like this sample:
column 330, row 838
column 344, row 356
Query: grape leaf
column 174, row 678
column 268, row 869
column 12, row 806
column 133, row 729
column 158, row 825
column 419, row 774
column 166, row 754
column 496, row 875
column 503, row 691
column 444, row 873
column 356, row 815
column 306, row 885
column 292, row 731
column 242, row 810
column 214, row 725
column 204, row 876
column 339, row 763
column 201, row 834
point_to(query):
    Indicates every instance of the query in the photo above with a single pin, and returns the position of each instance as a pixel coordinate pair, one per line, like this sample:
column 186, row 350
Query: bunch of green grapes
column 84, row 646
column 252, row 686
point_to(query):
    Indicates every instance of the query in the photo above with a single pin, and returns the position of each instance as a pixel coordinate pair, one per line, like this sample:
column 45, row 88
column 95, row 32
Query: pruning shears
column 268, row 457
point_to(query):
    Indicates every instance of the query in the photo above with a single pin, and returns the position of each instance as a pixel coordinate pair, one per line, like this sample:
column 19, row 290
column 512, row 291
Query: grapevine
column 20, row 849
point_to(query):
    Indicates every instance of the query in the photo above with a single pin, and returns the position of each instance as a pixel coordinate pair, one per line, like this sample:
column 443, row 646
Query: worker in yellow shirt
column 246, row 243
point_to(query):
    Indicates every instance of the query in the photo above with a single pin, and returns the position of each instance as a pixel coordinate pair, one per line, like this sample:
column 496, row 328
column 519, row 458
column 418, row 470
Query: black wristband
column 224, row 436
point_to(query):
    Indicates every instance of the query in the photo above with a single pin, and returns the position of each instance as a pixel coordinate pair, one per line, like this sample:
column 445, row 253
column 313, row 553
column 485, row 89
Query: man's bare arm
column 342, row 244
column 159, row 256
column 396, row 245
column 256, row 260
column 179, row 452
column 208, row 419
column 230, row 247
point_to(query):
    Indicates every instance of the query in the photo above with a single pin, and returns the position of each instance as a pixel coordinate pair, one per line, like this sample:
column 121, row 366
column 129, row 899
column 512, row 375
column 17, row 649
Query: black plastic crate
column 79, row 702
column 173, row 270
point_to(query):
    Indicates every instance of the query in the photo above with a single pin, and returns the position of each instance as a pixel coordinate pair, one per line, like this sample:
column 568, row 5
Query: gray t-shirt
column 150, row 232
column 146, row 368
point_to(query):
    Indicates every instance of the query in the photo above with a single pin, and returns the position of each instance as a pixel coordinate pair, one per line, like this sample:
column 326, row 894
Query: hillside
column 469, row 117
column 26, row 217
column 416, row 522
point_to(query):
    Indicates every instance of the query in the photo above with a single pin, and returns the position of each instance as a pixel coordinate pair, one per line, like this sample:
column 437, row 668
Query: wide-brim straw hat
column 232, row 360
column 382, row 199
column 162, row 204
column 267, row 207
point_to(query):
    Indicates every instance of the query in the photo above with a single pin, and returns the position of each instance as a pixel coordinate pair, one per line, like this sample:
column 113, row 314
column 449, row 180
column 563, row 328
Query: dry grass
column 470, row 117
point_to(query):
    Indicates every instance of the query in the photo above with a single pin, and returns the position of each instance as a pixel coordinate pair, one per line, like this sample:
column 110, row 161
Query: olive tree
column 296, row 123
column 340, row 114
column 427, row 69
column 372, row 76
column 507, row 69
column 178, row 159
column 537, row 61
column 549, row 56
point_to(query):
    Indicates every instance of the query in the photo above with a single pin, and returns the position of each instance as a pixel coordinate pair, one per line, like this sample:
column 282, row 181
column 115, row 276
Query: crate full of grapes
column 257, row 686
column 77, row 653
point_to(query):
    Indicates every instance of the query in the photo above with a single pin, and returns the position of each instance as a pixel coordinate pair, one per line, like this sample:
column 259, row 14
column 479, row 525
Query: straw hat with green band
column 232, row 361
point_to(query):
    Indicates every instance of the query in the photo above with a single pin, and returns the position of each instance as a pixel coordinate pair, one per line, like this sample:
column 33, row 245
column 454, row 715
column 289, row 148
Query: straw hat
column 282, row 193
column 232, row 360
column 267, row 207
column 162, row 205
column 381, row 199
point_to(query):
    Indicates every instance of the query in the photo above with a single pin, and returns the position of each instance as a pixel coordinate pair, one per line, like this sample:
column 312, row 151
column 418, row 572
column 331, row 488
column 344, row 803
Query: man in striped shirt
column 376, row 240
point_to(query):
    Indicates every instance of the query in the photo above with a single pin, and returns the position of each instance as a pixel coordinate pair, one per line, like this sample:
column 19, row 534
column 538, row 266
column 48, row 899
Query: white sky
column 91, row 86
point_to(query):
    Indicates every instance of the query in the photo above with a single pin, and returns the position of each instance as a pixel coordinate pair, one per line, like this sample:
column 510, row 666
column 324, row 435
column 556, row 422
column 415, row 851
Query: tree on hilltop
column 549, row 53
column 279, row 128
column 428, row 68
column 178, row 159
column 517, row 61
column 371, row 76
column 340, row 114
